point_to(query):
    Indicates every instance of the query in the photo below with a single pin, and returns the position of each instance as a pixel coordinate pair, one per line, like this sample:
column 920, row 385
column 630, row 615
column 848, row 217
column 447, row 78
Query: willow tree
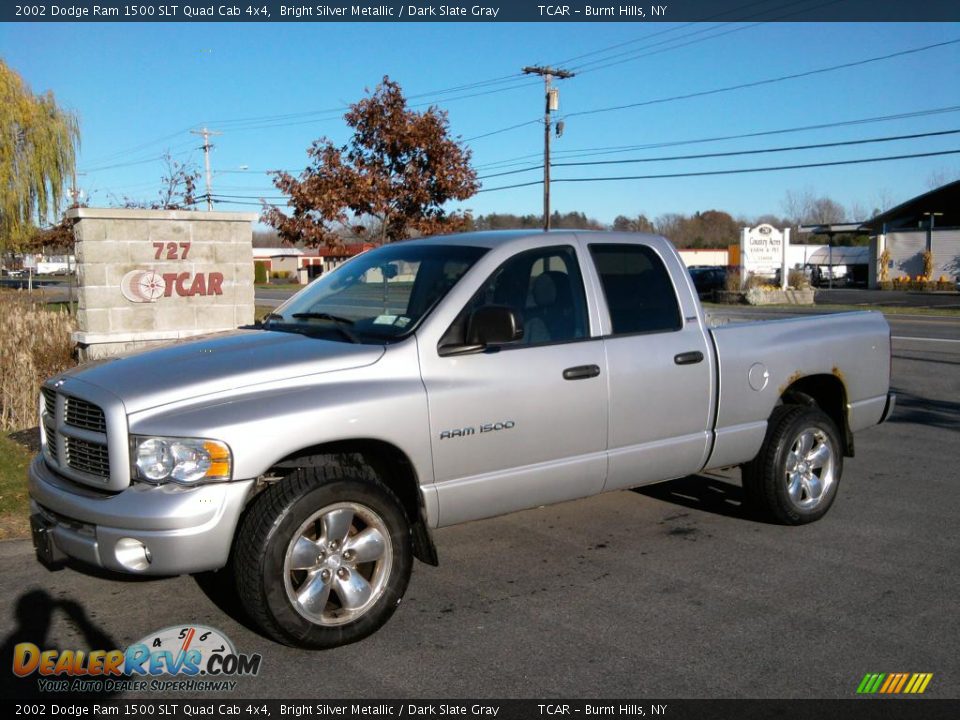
column 38, row 142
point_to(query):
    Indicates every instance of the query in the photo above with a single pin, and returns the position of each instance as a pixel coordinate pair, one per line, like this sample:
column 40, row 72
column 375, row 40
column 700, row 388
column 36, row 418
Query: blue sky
column 138, row 88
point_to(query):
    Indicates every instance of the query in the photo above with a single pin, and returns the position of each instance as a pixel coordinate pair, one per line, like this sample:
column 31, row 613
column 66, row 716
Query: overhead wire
column 736, row 171
column 611, row 149
column 731, row 88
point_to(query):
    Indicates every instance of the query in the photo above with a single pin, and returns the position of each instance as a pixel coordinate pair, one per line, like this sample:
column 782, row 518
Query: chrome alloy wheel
column 810, row 469
column 337, row 564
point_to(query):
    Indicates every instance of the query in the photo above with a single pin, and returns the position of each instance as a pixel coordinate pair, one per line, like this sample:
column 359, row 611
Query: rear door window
column 637, row 288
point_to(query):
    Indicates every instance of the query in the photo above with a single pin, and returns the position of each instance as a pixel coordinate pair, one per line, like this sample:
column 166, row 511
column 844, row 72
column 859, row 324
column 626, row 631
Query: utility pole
column 552, row 102
column 206, row 161
column 75, row 194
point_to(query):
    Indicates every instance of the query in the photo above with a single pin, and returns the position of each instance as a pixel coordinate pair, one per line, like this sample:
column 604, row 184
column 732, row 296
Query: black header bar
column 208, row 708
column 484, row 11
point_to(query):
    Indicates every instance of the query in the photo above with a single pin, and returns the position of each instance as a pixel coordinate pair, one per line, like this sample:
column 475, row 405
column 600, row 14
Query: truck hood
column 218, row 363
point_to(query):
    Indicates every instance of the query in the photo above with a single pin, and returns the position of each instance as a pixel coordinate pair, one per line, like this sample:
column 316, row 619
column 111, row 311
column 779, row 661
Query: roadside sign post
column 30, row 264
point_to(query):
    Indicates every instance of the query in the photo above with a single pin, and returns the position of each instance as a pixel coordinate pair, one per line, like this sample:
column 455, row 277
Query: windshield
column 377, row 297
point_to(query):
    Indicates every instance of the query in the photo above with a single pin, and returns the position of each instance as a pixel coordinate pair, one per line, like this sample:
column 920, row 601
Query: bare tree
column 882, row 200
column 942, row 176
column 178, row 188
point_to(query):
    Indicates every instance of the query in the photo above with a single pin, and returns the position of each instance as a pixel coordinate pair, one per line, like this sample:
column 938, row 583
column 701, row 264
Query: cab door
column 524, row 424
column 659, row 365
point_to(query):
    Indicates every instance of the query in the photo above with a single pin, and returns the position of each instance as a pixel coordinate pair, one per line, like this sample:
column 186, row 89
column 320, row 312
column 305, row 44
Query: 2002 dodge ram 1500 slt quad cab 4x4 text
column 428, row 383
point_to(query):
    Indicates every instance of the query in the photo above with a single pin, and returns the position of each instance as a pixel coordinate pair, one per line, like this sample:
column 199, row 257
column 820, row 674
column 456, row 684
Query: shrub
column 798, row 279
column 755, row 281
column 34, row 344
column 927, row 264
column 732, row 283
column 259, row 272
column 884, row 265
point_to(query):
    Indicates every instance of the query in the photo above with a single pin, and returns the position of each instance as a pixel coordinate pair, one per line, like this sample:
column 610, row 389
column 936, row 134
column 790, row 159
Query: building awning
column 840, row 255
column 854, row 228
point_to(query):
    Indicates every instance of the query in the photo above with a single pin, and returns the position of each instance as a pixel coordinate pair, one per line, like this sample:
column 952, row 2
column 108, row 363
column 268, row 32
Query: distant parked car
column 707, row 278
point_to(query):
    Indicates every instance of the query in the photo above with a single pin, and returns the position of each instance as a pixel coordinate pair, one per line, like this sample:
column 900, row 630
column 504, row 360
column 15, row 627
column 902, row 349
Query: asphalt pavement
column 670, row 591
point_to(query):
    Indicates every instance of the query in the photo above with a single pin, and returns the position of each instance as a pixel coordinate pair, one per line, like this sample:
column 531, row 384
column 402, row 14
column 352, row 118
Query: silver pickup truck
column 429, row 383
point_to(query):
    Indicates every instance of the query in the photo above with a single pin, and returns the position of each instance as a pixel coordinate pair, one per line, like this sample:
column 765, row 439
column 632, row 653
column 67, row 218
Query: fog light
column 132, row 554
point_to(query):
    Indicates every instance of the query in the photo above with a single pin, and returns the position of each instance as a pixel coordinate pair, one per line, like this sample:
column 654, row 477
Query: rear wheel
column 323, row 558
column 794, row 478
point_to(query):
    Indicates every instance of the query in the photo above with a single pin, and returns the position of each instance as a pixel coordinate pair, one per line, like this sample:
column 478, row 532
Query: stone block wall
column 150, row 276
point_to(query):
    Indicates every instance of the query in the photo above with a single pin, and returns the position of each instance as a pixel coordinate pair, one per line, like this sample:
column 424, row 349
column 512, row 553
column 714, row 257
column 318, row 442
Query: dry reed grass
column 34, row 344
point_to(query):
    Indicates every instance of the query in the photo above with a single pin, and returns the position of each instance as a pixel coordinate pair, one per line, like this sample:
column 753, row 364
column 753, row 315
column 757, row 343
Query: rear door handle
column 688, row 358
column 581, row 372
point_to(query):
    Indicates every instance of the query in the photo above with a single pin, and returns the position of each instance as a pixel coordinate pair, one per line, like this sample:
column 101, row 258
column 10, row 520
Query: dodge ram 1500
column 434, row 382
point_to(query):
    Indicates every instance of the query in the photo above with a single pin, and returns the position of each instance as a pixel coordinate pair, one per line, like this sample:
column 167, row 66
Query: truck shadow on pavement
column 220, row 588
column 34, row 613
column 702, row 492
column 918, row 410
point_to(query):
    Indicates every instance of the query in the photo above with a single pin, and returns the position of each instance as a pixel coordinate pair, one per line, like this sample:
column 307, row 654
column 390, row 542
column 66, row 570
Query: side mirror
column 487, row 326
column 493, row 325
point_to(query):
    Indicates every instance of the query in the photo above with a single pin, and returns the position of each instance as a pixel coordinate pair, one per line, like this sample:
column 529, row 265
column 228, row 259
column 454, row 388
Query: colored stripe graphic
column 894, row 683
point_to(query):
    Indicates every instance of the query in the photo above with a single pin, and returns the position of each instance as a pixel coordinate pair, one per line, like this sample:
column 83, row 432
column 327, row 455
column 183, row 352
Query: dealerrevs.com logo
column 199, row 658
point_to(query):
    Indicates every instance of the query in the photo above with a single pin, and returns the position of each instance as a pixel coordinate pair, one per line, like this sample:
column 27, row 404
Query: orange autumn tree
column 389, row 182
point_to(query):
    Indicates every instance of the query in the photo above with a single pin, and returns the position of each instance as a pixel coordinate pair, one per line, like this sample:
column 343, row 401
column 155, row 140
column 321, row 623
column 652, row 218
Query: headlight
column 187, row 461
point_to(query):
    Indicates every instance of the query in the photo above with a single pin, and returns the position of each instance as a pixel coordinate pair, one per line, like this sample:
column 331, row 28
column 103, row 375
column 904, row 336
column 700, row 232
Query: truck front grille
column 76, row 437
column 82, row 414
column 50, row 428
column 87, row 457
column 50, row 402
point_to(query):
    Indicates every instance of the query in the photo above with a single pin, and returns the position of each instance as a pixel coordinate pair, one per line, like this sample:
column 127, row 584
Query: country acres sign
column 763, row 251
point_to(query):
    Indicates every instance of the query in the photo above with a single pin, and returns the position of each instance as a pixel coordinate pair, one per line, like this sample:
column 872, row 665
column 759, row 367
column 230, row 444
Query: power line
column 503, row 130
column 638, row 53
column 730, row 88
column 732, row 153
column 611, row 149
column 175, row 151
column 136, row 148
column 704, row 173
column 768, row 81
column 709, row 18
column 700, row 156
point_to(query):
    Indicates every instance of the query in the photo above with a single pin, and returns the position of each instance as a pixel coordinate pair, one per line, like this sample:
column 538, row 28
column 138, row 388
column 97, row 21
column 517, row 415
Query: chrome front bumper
column 145, row 529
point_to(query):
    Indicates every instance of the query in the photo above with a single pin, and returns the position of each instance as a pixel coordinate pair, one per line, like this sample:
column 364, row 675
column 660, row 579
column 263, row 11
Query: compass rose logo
column 142, row 286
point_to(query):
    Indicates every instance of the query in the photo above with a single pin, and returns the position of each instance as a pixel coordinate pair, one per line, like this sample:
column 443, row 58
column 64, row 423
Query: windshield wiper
column 341, row 323
column 323, row 316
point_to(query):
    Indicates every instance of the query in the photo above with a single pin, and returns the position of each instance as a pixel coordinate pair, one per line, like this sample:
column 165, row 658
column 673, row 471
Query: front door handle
column 581, row 372
column 688, row 358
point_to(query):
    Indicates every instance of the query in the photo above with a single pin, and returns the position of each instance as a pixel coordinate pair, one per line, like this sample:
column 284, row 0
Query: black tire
column 782, row 482
column 312, row 505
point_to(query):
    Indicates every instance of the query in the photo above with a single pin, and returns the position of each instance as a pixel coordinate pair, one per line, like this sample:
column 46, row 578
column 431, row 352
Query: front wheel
column 323, row 557
column 794, row 478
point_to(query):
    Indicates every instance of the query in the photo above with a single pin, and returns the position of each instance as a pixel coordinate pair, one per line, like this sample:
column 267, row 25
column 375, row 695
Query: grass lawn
column 14, row 513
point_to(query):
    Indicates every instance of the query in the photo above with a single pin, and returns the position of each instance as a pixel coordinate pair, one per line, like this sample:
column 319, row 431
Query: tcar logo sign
column 147, row 286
